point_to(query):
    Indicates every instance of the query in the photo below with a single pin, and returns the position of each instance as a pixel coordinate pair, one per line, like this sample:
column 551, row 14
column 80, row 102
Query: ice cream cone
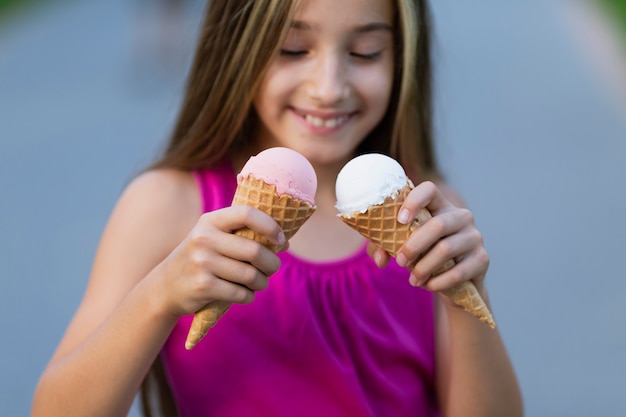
column 289, row 212
column 380, row 225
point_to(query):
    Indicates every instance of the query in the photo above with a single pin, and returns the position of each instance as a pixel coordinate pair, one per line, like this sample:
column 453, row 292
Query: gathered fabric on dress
column 339, row 338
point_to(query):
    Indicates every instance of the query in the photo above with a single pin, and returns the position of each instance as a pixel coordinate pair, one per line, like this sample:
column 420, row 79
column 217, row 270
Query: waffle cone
column 290, row 213
column 379, row 224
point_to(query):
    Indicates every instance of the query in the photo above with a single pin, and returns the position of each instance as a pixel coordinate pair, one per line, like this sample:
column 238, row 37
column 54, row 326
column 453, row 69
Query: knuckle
column 483, row 256
column 196, row 238
column 438, row 226
column 455, row 276
column 202, row 284
column 477, row 235
column 243, row 296
column 254, row 250
column 199, row 240
column 467, row 215
column 248, row 213
column 444, row 249
column 206, row 218
column 196, row 247
column 198, row 261
column 478, row 238
column 429, row 186
column 249, row 275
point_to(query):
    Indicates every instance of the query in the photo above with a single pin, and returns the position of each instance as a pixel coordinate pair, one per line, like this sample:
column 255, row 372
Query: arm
column 156, row 262
column 461, row 339
column 474, row 374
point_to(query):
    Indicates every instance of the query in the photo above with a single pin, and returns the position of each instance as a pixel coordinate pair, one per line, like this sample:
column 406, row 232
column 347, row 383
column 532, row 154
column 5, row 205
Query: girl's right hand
column 212, row 263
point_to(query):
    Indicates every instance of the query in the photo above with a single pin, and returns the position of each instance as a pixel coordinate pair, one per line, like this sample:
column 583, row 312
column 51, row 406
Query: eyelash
column 290, row 53
column 366, row 57
column 298, row 53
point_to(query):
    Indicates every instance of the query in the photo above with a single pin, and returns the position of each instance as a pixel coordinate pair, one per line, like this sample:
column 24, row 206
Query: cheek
column 266, row 91
column 378, row 89
column 384, row 89
column 276, row 83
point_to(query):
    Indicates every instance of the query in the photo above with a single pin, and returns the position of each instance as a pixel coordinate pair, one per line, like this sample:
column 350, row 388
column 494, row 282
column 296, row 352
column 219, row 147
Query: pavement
column 529, row 130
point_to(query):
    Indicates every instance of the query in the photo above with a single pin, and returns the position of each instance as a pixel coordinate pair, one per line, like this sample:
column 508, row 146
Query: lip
column 323, row 122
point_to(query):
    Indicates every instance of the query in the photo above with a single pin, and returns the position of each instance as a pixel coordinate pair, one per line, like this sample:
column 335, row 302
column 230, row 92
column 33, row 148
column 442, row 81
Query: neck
column 325, row 198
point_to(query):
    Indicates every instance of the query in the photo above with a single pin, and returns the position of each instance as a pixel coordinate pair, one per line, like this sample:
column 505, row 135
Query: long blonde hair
column 238, row 40
column 236, row 44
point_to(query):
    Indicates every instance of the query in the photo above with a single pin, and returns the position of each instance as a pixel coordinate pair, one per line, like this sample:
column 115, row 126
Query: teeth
column 329, row 123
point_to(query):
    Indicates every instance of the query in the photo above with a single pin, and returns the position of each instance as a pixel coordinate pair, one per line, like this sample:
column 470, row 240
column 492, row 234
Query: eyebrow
column 368, row 27
column 373, row 27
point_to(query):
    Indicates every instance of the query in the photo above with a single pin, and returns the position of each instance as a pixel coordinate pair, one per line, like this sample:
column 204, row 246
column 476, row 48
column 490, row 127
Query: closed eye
column 366, row 57
column 292, row 53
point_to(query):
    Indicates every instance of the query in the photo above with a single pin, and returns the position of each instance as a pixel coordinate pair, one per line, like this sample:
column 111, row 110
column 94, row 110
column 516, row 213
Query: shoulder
column 158, row 208
column 164, row 190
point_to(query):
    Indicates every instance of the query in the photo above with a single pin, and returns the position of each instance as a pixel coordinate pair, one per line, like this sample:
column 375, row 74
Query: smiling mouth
column 329, row 122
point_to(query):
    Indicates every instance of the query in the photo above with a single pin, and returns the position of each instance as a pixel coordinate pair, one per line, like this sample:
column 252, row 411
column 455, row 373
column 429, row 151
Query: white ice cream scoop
column 366, row 181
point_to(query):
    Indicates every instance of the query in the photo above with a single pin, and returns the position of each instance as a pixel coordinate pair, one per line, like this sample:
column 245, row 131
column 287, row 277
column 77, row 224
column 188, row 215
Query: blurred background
column 531, row 126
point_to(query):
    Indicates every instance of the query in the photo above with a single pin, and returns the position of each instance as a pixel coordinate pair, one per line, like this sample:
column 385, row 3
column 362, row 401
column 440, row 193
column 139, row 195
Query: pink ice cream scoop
column 288, row 170
column 279, row 182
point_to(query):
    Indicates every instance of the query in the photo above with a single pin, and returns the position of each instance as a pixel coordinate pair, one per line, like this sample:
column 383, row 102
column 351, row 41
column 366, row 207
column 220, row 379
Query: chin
column 320, row 157
column 325, row 151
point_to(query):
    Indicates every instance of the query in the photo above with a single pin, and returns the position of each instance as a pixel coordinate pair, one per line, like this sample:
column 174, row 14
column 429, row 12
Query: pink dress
column 341, row 338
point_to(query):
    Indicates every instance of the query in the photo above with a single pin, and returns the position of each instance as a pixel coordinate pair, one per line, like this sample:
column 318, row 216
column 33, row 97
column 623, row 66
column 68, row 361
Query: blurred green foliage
column 617, row 11
column 8, row 6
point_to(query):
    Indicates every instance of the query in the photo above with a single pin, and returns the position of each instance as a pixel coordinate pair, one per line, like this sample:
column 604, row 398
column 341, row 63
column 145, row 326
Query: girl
column 339, row 329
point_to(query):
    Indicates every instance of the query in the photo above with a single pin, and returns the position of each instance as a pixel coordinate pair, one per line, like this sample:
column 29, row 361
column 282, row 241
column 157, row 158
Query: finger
column 283, row 248
column 378, row 255
column 234, row 218
column 221, row 277
column 431, row 232
column 209, row 239
column 424, row 195
column 452, row 247
column 250, row 251
column 240, row 273
column 472, row 267
column 233, row 293
column 212, row 287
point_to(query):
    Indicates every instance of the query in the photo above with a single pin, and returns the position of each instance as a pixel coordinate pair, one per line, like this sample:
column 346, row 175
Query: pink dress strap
column 216, row 186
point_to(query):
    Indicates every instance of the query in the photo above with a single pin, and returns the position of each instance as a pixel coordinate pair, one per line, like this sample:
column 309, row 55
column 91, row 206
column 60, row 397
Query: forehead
column 347, row 13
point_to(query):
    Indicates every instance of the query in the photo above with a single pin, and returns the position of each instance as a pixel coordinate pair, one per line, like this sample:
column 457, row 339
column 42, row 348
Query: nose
column 328, row 82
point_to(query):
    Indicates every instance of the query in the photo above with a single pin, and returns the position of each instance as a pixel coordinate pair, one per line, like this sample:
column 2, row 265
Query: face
column 331, row 83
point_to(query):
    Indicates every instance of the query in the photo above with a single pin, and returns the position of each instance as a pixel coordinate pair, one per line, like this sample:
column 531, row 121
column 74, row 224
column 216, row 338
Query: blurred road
column 533, row 141
column 80, row 114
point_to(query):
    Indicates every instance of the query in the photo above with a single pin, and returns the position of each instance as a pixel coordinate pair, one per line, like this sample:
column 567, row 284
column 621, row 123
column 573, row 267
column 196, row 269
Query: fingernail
column 281, row 238
column 422, row 282
column 401, row 259
column 377, row 259
column 404, row 216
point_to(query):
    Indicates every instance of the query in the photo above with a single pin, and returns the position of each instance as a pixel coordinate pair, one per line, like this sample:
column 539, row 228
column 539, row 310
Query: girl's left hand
column 450, row 234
